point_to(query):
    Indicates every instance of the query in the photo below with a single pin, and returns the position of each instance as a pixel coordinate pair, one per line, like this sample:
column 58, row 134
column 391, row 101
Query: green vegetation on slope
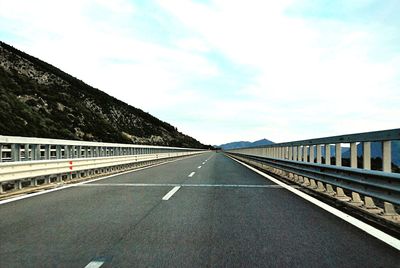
column 39, row 100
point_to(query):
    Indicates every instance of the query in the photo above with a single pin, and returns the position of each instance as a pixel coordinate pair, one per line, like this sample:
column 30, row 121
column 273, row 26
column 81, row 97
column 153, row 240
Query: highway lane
column 122, row 224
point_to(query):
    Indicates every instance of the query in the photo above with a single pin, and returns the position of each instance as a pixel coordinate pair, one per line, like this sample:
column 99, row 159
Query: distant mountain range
column 243, row 144
column 39, row 100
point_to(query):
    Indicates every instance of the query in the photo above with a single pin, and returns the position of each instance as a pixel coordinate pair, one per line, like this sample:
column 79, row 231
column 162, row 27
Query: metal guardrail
column 14, row 149
column 311, row 150
column 20, row 170
column 305, row 158
column 47, row 160
column 381, row 185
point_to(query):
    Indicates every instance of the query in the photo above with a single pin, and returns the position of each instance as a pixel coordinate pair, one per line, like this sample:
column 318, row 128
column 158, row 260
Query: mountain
column 242, row 144
column 39, row 100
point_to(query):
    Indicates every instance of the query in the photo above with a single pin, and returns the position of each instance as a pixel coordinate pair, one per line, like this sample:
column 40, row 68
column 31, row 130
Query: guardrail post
column 319, row 154
column 295, row 153
column 35, row 151
column 18, row 185
column 1, row 160
column 47, row 152
column 329, row 190
column 327, row 154
column 386, row 156
column 58, row 152
column 26, row 152
column 74, row 151
column 290, row 153
column 353, row 155
column 367, row 155
column 338, row 154
column 305, row 153
column 370, row 205
column 312, row 149
column 15, row 152
column 67, row 151
column 299, row 153
column 356, row 199
column 78, row 151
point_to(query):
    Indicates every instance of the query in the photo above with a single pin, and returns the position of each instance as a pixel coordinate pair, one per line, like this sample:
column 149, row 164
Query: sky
column 223, row 71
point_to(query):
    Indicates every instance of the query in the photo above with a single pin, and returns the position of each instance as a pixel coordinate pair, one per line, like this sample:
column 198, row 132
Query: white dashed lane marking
column 95, row 264
column 171, row 193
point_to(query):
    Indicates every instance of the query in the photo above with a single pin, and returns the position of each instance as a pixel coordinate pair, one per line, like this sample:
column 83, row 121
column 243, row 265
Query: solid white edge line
column 13, row 199
column 384, row 237
column 171, row 193
column 94, row 264
column 191, row 174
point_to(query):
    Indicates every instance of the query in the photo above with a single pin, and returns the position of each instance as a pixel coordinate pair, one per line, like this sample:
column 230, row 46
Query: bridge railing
column 14, row 149
column 322, row 163
column 32, row 161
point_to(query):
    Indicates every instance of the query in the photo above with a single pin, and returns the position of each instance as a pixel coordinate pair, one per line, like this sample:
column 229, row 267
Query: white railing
column 328, row 150
column 318, row 164
column 33, row 161
column 24, row 149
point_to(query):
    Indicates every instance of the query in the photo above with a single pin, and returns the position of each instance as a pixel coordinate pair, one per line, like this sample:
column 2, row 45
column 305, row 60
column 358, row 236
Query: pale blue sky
column 224, row 70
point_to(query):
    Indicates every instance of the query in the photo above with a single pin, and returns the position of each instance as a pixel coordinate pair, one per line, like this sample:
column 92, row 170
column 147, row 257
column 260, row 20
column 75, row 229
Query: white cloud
column 306, row 77
column 319, row 73
column 193, row 44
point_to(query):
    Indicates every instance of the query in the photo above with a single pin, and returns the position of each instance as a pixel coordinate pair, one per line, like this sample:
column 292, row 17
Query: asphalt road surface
column 187, row 213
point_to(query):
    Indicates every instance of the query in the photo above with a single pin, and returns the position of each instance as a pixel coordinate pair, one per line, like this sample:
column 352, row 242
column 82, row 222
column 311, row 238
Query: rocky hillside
column 39, row 100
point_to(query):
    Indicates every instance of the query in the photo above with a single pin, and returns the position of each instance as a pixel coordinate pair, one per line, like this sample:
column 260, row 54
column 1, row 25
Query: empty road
column 202, row 211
